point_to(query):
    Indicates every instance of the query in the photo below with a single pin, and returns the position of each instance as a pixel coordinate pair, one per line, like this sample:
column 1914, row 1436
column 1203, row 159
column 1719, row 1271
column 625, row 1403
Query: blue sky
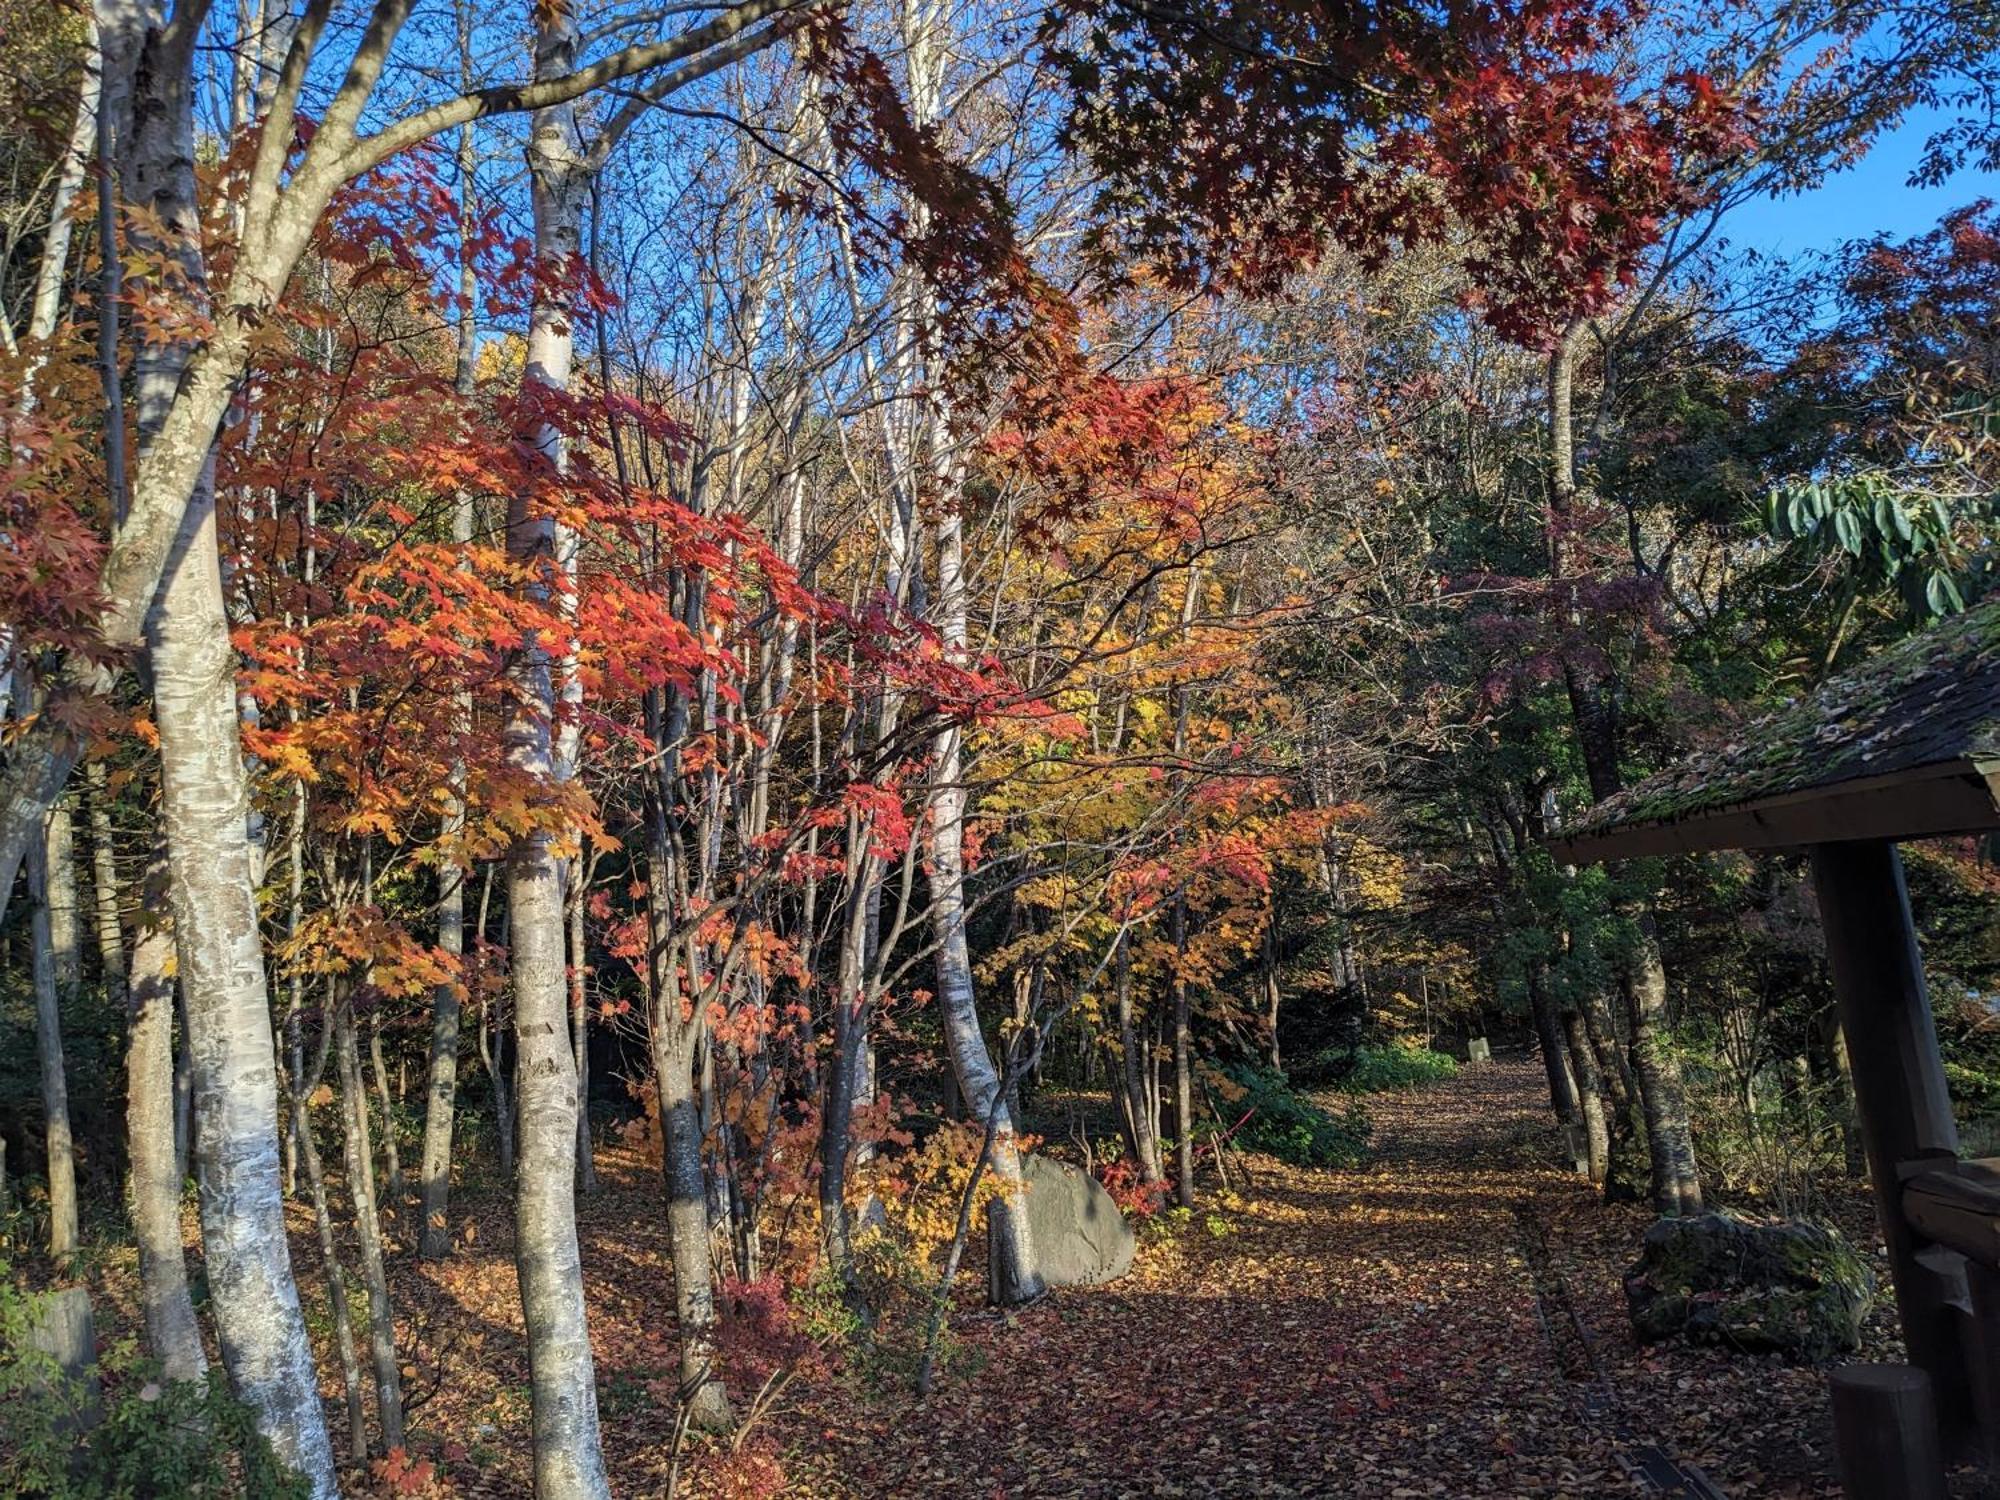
column 1872, row 196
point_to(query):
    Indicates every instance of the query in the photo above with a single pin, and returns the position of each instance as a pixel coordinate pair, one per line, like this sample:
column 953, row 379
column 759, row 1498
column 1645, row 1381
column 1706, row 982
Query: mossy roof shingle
column 1927, row 704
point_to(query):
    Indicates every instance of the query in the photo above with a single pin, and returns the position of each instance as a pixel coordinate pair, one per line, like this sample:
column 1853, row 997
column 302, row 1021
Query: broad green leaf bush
column 141, row 1436
column 1396, row 1066
column 1290, row 1126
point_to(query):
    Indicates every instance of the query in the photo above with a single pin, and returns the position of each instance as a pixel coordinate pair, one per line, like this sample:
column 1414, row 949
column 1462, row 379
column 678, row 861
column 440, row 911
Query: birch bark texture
column 569, row 1459
column 204, row 805
column 154, row 1178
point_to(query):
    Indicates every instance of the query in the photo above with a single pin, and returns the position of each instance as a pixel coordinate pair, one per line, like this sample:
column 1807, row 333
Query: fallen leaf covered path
column 1380, row 1332
column 1367, row 1333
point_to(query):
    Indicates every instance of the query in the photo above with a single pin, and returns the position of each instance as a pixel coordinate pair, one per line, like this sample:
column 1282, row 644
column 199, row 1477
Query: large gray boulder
column 1079, row 1236
column 1799, row 1290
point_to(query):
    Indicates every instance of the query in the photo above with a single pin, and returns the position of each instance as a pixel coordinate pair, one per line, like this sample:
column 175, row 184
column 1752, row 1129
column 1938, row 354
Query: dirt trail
column 1366, row 1333
column 1384, row 1332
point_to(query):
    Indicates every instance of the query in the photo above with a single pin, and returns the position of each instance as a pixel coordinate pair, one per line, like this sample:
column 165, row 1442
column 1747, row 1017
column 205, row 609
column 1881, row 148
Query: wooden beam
column 1899, row 1090
column 1956, row 1204
column 1954, row 797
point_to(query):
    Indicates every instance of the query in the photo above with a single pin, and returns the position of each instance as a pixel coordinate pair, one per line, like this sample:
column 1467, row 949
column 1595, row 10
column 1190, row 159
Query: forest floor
column 1363, row 1333
column 1404, row 1329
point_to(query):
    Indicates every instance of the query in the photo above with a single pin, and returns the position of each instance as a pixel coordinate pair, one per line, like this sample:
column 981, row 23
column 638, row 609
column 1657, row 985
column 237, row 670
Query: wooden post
column 1983, row 1338
column 1885, row 1432
column 1899, row 1091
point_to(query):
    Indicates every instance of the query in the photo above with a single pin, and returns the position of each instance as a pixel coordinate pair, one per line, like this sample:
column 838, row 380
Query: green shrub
column 878, row 1325
column 1975, row 1090
column 1396, row 1066
column 136, row 1438
column 1290, row 1126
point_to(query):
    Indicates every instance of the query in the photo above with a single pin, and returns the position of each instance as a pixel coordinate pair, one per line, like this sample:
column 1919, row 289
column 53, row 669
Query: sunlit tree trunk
column 181, row 396
column 61, row 1150
column 154, row 1180
column 329, row 1253
column 104, row 888
column 1590, row 1097
column 1138, row 1107
column 972, row 1064
column 204, row 806
column 360, row 1163
column 569, row 1459
column 441, row 1088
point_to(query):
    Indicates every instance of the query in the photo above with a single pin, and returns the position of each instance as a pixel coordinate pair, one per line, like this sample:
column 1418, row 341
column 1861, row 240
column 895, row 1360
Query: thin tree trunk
column 972, row 1064
column 1590, row 1097
column 506, row 1129
column 1592, row 695
column 1624, row 1116
column 153, row 1183
column 360, row 1162
column 1562, row 1086
column 441, row 1090
column 441, row 1093
column 703, row 1396
column 1841, row 1074
column 65, row 927
column 78, row 150
column 55, row 1085
column 844, row 1068
column 579, row 1028
column 1139, row 1108
column 391, row 1156
column 1676, row 1183
column 1183, row 1066
column 329, row 1254
column 1273, row 997
column 104, row 893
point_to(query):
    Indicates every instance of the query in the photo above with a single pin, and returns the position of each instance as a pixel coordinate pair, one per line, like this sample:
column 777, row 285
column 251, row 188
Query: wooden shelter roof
column 1903, row 746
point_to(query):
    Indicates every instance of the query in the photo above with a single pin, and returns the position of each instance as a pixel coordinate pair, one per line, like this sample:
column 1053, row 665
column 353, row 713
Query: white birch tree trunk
column 154, row 1182
column 926, row 36
column 441, row 1092
column 204, row 805
column 104, row 887
column 55, row 1084
column 569, row 1460
column 65, row 927
column 181, row 397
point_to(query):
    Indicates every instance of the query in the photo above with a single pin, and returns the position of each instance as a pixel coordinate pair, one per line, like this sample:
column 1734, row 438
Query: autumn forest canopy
column 738, row 737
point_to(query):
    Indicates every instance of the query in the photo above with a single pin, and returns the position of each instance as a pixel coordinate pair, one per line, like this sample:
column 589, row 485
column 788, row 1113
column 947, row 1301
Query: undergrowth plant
column 1289, row 1125
column 129, row 1435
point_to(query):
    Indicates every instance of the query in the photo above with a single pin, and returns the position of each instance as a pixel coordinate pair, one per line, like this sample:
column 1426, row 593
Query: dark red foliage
column 1238, row 140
